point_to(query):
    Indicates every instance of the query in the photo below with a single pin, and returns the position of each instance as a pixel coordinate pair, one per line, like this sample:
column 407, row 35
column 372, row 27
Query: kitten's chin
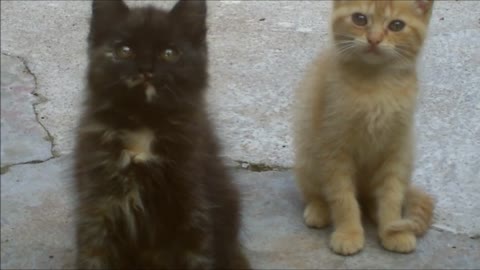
column 150, row 92
column 384, row 57
column 363, row 59
column 142, row 85
column 376, row 60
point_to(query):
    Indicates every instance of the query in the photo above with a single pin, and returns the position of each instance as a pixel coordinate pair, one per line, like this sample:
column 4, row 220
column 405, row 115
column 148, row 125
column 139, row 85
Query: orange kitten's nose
column 375, row 38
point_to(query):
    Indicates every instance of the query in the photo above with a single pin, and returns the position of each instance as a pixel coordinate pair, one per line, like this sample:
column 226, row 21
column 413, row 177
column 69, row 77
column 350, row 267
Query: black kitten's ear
column 192, row 16
column 105, row 14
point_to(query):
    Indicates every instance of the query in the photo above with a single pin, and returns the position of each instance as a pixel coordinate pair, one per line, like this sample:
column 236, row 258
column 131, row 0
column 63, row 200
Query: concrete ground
column 259, row 50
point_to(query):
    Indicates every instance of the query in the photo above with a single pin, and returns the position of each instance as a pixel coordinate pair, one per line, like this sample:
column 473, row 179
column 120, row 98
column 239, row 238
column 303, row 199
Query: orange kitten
column 354, row 126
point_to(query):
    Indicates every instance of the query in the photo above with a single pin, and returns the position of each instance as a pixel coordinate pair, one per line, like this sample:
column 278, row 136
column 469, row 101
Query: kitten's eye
column 396, row 25
column 124, row 52
column 359, row 19
column 170, row 55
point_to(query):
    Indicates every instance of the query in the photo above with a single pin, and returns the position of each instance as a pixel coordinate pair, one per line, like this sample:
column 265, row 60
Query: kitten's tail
column 418, row 212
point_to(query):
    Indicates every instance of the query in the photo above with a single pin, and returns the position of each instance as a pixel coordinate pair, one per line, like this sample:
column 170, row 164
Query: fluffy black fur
column 179, row 209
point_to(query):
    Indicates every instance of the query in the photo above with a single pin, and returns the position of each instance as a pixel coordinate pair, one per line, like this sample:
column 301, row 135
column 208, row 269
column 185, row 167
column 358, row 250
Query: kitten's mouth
column 134, row 82
column 145, row 83
column 372, row 50
column 141, row 79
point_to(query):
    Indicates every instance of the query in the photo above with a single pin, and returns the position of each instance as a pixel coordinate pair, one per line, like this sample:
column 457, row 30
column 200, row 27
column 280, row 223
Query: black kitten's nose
column 146, row 74
column 146, row 70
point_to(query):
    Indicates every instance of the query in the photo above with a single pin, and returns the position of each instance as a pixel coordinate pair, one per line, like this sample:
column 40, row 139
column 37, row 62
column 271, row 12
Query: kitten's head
column 148, row 57
column 380, row 32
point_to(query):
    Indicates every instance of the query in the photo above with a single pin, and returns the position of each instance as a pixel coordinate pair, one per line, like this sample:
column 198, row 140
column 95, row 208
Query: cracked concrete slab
column 37, row 223
column 276, row 237
column 51, row 36
column 448, row 133
column 23, row 137
column 259, row 50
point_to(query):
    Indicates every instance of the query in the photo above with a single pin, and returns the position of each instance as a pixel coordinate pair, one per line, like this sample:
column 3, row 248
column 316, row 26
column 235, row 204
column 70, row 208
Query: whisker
column 170, row 90
column 404, row 52
column 404, row 44
column 344, row 42
column 403, row 60
column 346, row 50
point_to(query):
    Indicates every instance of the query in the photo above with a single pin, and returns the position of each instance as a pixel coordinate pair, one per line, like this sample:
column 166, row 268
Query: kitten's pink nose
column 375, row 38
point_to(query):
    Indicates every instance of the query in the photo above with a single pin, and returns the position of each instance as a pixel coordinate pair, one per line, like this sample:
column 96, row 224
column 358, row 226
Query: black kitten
column 153, row 192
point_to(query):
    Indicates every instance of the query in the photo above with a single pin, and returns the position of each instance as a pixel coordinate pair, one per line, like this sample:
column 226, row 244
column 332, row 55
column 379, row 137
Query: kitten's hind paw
column 316, row 214
column 240, row 262
column 347, row 243
column 402, row 242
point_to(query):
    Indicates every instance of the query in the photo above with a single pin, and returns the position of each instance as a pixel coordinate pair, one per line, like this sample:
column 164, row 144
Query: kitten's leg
column 331, row 198
column 390, row 195
column 196, row 250
column 93, row 250
column 316, row 213
column 236, row 259
column 339, row 190
column 240, row 262
column 198, row 260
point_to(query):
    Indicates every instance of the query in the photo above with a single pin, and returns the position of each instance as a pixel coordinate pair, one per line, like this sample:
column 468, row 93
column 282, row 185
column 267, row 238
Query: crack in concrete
column 475, row 237
column 258, row 167
column 6, row 168
column 39, row 100
column 442, row 229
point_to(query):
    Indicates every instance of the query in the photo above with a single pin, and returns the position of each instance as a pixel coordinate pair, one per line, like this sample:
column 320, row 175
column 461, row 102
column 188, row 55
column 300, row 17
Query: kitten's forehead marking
column 382, row 8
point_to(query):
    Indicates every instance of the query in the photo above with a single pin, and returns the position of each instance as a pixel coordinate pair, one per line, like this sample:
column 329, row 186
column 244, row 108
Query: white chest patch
column 150, row 92
column 138, row 147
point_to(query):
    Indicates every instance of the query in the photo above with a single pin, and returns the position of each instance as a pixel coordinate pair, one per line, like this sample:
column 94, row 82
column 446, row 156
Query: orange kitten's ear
column 338, row 3
column 424, row 6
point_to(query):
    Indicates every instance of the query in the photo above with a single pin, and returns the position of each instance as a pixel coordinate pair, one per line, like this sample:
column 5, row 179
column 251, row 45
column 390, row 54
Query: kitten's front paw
column 316, row 214
column 92, row 262
column 198, row 261
column 347, row 242
column 403, row 242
